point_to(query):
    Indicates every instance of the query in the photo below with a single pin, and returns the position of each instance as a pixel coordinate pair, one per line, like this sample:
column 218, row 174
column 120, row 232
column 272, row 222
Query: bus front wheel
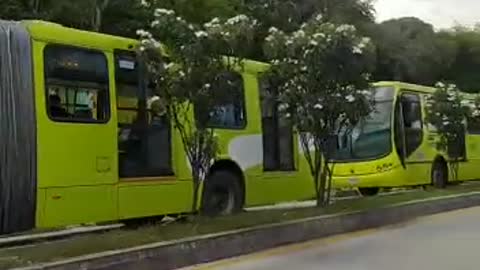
column 369, row 192
column 222, row 194
column 439, row 174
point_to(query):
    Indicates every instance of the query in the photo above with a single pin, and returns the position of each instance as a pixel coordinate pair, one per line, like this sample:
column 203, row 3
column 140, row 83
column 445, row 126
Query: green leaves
column 447, row 110
column 323, row 71
column 197, row 82
column 198, row 51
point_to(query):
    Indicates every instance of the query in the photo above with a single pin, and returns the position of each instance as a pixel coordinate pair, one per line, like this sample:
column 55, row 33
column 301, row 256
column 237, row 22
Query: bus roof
column 417, row 88
column 56, row 33
column 406, row 86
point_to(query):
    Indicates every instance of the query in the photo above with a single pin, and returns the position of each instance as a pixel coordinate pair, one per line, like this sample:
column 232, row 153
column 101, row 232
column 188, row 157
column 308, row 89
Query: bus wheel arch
column 224, row 189
column 439, row 172
column 369, row 192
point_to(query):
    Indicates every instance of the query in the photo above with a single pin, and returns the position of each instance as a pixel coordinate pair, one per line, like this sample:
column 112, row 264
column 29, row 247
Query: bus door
column 411, row 142
column 280, row 173
column 277, row 133
column 76, row 149
column 144, row 131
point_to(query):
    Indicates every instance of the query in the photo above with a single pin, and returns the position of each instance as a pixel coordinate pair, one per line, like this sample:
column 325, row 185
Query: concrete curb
column 207, row 248
column 17, row 240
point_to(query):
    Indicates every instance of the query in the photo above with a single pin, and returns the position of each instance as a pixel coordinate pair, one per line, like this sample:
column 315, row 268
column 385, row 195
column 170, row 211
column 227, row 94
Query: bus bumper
column 391, row 178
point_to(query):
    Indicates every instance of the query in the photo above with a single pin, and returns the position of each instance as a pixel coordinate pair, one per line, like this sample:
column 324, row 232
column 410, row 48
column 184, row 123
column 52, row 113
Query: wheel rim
column 221, row 201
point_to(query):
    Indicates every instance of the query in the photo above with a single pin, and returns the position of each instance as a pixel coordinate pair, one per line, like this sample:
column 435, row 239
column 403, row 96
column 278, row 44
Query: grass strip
column 125, row 238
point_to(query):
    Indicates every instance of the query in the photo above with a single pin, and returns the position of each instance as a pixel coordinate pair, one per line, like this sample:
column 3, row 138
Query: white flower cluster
column 161, row 12
column 168, row 66
column 214, row 23
column 144, row 34
column 201, row 34
column 147, row 40
column 350, row 98
column 440, row 85
column 319, row 36
column 345, row 28
column 474, row 107
column 299, row 34
column 273, row 30
column 476, row 112
column 319, row 17
column 273, row 34
column 283, row 107
column 229, row 30
column 238, row 19
column 446, row 120
column 145, row 3
column 364, row 42
column 466, row 103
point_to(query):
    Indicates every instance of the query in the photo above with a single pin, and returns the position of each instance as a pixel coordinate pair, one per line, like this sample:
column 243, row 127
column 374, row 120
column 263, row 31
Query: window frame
column 107, row 108
column 469, row 129
column 244, row 108
column 419, row 100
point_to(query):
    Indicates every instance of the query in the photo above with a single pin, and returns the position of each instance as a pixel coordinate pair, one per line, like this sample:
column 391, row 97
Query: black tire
column 222, row 194
column 369, row 192
column 439, row 174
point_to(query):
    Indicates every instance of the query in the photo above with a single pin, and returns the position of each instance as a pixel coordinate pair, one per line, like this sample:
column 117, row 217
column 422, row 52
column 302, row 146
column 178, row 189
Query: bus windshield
column 370, row 138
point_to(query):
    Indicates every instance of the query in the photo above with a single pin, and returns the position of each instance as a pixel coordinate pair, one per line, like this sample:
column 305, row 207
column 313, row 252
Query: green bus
column 72, row 151
column 396, row 147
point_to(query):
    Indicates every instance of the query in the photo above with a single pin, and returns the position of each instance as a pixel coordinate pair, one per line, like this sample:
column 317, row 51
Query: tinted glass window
column 412, row 111
column 76, row 84
column 277, row 131
column 371, row 137
column 473, row 126
column 228, row 113
column 412, row 121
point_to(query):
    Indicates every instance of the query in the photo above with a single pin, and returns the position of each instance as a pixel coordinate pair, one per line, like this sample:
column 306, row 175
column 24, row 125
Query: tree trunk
column 329, row 183
column 98, row 16
column 318, row 193
column 34, row 6
column 323, row 187
column 196, row 187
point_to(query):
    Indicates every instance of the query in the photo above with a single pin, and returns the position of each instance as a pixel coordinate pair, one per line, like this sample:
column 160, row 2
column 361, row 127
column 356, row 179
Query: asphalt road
column 441, row 242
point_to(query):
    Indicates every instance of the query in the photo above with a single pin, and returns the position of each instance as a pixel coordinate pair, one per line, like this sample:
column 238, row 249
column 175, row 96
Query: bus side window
column 76, row 84
column 473, row 126
column 229, row 112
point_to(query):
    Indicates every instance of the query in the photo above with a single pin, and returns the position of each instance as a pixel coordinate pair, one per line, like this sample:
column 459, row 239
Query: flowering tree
column 447, row 110
column 194, row 82
column 322, row 75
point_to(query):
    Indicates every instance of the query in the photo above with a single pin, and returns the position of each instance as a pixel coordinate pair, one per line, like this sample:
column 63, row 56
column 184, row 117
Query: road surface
column 441, row 242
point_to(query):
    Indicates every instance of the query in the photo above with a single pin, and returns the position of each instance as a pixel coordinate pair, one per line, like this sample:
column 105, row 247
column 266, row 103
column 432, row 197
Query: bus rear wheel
column 369, row 192
column 222, row 194
column 439, row 174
